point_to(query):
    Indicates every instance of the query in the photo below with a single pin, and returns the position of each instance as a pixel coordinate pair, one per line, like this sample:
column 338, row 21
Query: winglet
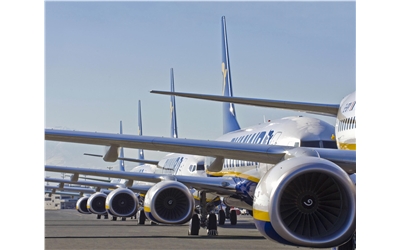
column 174, row 126
column 141, row 152
column 229, row 115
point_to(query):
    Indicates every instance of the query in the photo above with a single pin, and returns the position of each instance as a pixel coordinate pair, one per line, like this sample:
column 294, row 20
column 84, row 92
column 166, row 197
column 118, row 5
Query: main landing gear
column 205, row 219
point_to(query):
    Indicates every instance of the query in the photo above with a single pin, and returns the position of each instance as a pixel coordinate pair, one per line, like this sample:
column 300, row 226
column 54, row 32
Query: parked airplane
column 108, row 195
column 344, row 112
column 300, row 195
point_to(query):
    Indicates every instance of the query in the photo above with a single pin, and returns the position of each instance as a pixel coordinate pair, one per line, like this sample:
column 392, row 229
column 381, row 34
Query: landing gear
column 194, row 225
column 212, row 224
column 106, row 216
column 123, row 219
column 221, row 217
column 114, row 218
column 207, row 220
column 141, row 217
column 233, row 217
column 99, row 216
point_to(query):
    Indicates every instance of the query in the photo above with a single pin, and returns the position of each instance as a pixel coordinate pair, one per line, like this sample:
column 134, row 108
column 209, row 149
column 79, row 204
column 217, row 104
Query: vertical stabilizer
column 141, row 152
column 174, row 126
column 121, row 162
column 228, row 109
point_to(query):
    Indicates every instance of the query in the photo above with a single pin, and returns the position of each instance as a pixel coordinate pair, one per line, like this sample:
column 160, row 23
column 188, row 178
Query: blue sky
column 102, row 57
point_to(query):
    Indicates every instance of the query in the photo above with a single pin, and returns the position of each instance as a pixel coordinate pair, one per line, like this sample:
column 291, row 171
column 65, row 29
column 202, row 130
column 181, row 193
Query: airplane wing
column 138, row 188
column 127, row 159
column 220, row 185
column 271, row 154
column 73, row 189
column 313, row 108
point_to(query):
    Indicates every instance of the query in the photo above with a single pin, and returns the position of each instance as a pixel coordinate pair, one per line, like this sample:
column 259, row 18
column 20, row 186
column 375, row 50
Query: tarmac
column 68, row 229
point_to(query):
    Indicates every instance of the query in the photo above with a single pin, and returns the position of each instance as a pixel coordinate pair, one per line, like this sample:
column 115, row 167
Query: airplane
column 345, row 127
column 100, row 200
column 269, row 169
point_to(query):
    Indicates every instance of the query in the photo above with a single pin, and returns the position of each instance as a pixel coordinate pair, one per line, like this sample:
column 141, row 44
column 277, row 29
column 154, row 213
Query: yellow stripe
column 107, row 207
column 207, row 200
column 347, row 146
column 146, row 209
column 234, row 174
column 261, row 215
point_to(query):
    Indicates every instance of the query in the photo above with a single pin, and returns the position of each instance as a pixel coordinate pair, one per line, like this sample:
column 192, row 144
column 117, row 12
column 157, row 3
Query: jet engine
column 306, row 201
column 169, row 202
column 97, row 203
column 81, row 205
column 122, row 202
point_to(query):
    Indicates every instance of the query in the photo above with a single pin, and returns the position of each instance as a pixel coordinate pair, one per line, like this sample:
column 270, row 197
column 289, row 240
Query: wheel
column 221, row 217
column 114, row 218
column 212, row 224
column 106, row 216
column 233, row 217
column 194, row 225
column 98, row 216
column 123, row 219
column 142, row 217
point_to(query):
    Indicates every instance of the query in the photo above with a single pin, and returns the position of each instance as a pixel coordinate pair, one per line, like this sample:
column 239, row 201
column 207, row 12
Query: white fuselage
column 346, row 123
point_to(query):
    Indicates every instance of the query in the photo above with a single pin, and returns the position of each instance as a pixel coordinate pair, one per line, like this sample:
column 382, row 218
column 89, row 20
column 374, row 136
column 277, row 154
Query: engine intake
column 81, row 205
column 122, row 202
column 310, row 201
column 169, row 202
column 97, row 203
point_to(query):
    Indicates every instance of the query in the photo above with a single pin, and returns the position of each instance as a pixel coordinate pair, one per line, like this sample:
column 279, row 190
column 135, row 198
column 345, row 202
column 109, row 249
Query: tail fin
column 141, row 152
column 228, row 109
column 174, row 126
column 121, row 162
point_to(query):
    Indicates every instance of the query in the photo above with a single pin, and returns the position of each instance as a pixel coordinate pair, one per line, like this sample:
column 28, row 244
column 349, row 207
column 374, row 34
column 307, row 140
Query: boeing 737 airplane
column 100, row 200
column 287, row 172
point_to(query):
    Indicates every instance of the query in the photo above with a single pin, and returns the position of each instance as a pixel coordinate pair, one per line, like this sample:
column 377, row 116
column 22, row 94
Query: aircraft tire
column 194, row 225
column 221, row 217
column 142, row 217
column 233, row 217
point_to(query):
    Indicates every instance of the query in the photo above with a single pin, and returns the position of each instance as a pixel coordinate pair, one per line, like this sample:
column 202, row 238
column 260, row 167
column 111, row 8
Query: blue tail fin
column 141, row 152
column 228, row 109
column 174, row 126
column 121, row 155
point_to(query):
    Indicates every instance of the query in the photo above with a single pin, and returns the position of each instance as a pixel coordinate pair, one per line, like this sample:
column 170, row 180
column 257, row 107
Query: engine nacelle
column 122, row 202
column 169, row 202
column 97, row 203
column 306, row 201
column 81, row 205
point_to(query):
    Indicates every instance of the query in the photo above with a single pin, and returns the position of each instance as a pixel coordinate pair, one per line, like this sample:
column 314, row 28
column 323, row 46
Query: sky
column 102, row 57
column 86, row 70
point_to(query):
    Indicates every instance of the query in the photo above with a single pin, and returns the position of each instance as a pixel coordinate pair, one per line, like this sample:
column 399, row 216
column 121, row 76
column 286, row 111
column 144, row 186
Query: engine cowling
column 306, row 201
column 81, row 205
column 122, row 202
column 169, row 202
column 97, row 203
